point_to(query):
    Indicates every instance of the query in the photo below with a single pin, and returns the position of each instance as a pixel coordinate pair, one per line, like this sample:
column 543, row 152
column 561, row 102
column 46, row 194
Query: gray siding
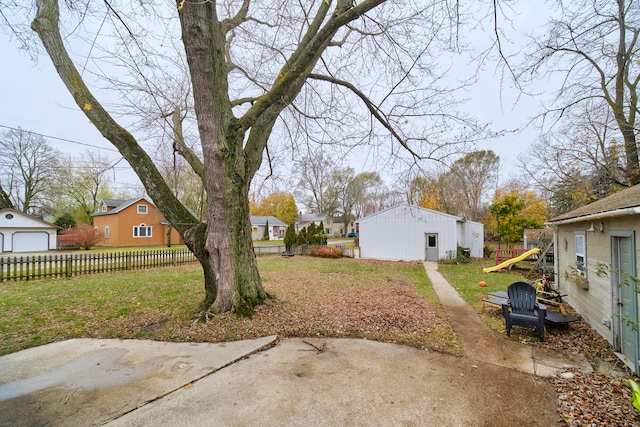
column 596, row 303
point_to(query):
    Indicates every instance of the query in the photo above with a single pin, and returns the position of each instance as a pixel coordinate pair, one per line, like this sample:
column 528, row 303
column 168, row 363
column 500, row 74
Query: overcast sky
column 34, row 98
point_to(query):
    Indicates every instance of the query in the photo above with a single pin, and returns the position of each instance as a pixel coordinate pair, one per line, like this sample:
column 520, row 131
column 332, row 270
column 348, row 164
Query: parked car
column 352, row 234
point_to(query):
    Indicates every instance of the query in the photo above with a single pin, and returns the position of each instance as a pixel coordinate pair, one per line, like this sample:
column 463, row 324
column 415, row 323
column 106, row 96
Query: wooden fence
column 70, row 265
column 506, row 254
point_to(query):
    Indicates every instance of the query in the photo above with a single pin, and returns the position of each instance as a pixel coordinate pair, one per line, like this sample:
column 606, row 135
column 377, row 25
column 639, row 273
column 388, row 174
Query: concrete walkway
column 481, row 342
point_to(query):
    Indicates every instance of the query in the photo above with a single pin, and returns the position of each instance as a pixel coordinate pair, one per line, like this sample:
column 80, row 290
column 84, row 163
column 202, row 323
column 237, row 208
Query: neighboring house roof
column 262, row 220
column 415, row 209
column 624, row 202
column 118, row 205
column 40, row 221
column 537, row 234
column 112, row 203
column 313, row 217
column 339, row 219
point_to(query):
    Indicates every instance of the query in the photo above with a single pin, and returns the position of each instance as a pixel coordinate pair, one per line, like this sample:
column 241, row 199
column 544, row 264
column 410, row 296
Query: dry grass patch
column 341, row 298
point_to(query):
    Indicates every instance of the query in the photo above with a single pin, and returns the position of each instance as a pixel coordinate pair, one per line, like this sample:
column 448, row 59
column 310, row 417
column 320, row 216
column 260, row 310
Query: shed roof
column 415, row 208
column 624, row 202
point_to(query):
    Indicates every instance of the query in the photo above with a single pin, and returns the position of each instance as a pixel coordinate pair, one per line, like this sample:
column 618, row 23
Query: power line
column 58, row 138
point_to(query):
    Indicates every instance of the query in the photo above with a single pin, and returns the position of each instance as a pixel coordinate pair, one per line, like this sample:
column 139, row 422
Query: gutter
column 609, row 214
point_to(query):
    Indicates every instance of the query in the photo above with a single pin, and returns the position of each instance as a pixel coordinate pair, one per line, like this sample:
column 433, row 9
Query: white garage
column 20, row 232
column 412, row 233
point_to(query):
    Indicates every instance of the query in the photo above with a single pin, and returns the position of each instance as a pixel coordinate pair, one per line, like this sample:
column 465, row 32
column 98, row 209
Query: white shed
column 406, row 232
column 20, row 232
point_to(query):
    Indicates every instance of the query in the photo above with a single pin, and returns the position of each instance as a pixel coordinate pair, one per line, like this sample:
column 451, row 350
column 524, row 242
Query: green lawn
column 466, row 279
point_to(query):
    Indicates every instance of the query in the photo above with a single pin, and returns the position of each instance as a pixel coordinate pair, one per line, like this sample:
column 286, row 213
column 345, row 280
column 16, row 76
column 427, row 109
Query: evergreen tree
column 266, row 231
column 302, row 237
column 311, row 231
column 290, row 238
column 65, row 221
column 321, row 234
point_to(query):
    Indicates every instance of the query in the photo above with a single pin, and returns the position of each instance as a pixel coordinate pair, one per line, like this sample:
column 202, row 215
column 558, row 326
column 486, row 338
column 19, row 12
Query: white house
column 406, row 232
column 597, row 254
column 20, row 232
column 277, row 228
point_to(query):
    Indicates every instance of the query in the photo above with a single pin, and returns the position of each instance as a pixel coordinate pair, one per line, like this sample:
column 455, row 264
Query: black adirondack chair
column 522, row 309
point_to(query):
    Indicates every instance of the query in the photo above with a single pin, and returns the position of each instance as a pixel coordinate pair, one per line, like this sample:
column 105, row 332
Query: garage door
column 30, row 241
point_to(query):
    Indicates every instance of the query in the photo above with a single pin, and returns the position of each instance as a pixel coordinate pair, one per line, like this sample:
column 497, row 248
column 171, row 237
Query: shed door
column 431, row 253
column 30, row 241
column 626, row 298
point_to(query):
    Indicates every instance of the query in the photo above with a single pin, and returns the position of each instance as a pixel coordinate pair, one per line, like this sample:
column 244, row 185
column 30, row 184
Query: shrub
column 456, row 257
column 83, row 236
column 461, row 258
column 324, row 252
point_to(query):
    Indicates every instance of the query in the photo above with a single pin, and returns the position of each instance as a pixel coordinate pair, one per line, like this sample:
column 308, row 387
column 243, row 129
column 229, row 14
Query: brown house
column 133, row 222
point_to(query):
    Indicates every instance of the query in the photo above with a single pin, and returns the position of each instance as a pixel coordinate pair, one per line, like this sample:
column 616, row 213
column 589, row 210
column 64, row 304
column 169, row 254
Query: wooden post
column 69, row 269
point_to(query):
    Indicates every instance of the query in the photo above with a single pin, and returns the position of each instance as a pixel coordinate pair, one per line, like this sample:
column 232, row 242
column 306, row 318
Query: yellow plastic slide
column 512, row 261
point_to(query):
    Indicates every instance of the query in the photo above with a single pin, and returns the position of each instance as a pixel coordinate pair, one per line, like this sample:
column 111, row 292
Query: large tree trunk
column 227, row 172
column 195, row 238
column 622, row 85
column 229, row 241
column 631, row 153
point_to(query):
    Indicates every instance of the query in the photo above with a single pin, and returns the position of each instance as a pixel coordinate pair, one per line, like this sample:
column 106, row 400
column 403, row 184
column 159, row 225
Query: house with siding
column 133, row 222
column 277, row 228
column 407, row 232
column 338, row 227
column 597, row 254
column 305, row 220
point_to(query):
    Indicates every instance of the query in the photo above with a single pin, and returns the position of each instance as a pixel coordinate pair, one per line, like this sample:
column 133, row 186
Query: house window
column 581, row 254
column 106, row 231
column 141, row 231
column 142, row 209
column 104, row 207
